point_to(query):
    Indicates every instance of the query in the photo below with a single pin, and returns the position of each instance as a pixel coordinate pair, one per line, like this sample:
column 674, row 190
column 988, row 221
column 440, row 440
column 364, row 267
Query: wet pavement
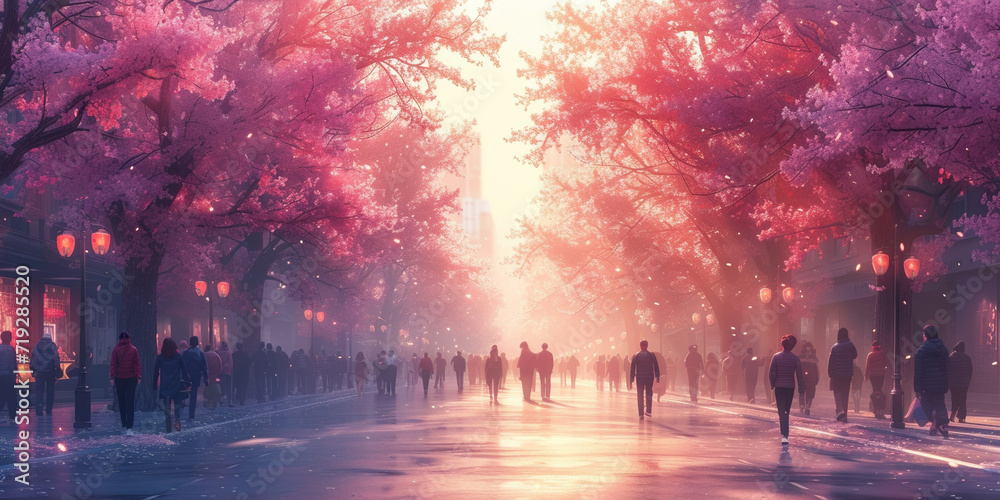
column 584, row 444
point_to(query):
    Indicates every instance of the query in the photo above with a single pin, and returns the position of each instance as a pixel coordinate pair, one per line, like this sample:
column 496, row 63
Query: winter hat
column 842, row 334
column 123, row 335
column 960, row 346
column 931, row 331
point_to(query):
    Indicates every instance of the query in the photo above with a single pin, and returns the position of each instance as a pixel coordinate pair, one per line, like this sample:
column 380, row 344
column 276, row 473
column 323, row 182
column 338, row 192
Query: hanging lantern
column 309, row 314
column 383, row 329
column 696, row 317
column 223, row 288
column 880, row 263
column 911, row 267
column 765, row 295
column 320, row 316
column 101, row 241
column 200, row 287
column 788, row 294
column 710, row 319
column 65, row 242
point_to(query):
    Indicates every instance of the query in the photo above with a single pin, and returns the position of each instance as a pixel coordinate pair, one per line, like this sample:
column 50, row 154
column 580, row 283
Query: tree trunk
column 138, row 317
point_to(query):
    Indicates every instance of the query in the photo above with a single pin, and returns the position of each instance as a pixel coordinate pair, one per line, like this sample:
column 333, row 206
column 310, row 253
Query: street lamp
column 911, row 267
column 66, row 243
column 201, row 289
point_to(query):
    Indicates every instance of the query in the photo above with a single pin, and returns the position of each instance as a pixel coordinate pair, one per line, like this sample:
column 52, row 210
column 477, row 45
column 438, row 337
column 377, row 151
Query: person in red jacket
column 125, row 375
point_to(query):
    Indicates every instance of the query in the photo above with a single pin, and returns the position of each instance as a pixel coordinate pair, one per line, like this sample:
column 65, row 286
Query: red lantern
column 309, row 314
column 200, row 287
column 101, row 241
column 880, row 263
column 788, row 294
column 696, row 317
column 223, row 288
column 710, row 319
column 911, row 267
column 765, row 295
column 320, row 316
column 65, row 243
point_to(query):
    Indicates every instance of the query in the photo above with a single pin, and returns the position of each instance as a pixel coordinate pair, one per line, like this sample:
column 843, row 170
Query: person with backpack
column 126, row 372
column 840, row 369
column 643, row 370
column 876, row 367
column 46, row 370
column 930, row 379
column 784, row 371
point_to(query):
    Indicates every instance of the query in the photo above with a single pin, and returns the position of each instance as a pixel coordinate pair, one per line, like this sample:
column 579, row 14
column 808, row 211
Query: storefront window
column 59, row 325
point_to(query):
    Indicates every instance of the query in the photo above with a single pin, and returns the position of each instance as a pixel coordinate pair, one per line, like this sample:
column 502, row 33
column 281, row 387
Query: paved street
column 584, row 444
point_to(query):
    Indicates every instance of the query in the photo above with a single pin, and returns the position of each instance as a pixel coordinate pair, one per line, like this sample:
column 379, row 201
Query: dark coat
column 842, row 356
column 959, row 369
column 810, row 371
column 544, row 362
column 196, row 364
column 170, row 376
column 930, row 368
column 45, row 356
column 644, row 366
column 259, row 361
column 241, row 368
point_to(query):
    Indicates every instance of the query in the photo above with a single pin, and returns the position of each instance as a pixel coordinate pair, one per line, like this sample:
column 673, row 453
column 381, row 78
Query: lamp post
column 100, row 241
column 201, row 288
column 911, row 267
column 320, row 316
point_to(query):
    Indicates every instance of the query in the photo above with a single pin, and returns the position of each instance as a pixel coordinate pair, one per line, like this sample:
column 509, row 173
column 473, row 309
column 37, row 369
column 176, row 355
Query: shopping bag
column 916, row 413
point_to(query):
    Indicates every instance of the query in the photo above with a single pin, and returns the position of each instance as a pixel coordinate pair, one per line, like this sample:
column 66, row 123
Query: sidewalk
column 53, row 437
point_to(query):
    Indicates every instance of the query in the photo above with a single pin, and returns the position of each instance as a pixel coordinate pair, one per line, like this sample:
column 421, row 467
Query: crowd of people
column 226, row 377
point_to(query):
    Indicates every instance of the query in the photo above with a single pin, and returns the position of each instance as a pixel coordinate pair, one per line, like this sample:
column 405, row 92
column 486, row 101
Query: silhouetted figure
column 45, row 368
column 810, row 374
column 694, row 366
column 840, row 368
column 600, row 372
column 712, row 372
column 671, row 371
column 731, row 368
column 241, row 373
column 172, row 379
column 414, row 369
column 785, row 369
column 282, row 365
column 458, row 364
column 930, row 379
column 426, row 370
column 562, row 371
column 272, row 372
column 876, row 367
column 572, row 365
column 751, row 370
column 227, row 372
column 544, row 362
column 197, row 367
column 381, row 366
column 526, row 367
column 506, row 366
column 440, row 365
column 643, row 371
column 493, row 368
column 959, row 378
column 614, row 373
column 391, row 371
column 360, row 373
column 258, row 360
column 472, row 367
column 339, row 370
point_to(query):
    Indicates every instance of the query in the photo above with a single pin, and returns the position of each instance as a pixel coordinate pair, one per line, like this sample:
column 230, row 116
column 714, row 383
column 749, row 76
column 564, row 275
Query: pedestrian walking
column 126, row 372
column 572, row 365
column 731, row 368
column 171, row 378
column 840, row 369
column 241, row 374
column 876, row 367
column 258, row 361
column 360, row 373
column 526, row 368
column 458, row 364
column 414, row 369
column 197, row 368
column 751, row 371
column 339, row 370
column 642, row 372
column 227, row 372
column 544, row 363
column 959, row 379
column 493, row 368
column 440, row 365
column 614, row 373
column 45, row 368
column 8, row 365
column 426, row 368
column 785, row 370
column 213, row 389
column 810, row 374
column 379, row 367
column 712, row 372
column 930, row 379
column 694, row 366
column 390, row 376
column 670, row 371
column 600, row 372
